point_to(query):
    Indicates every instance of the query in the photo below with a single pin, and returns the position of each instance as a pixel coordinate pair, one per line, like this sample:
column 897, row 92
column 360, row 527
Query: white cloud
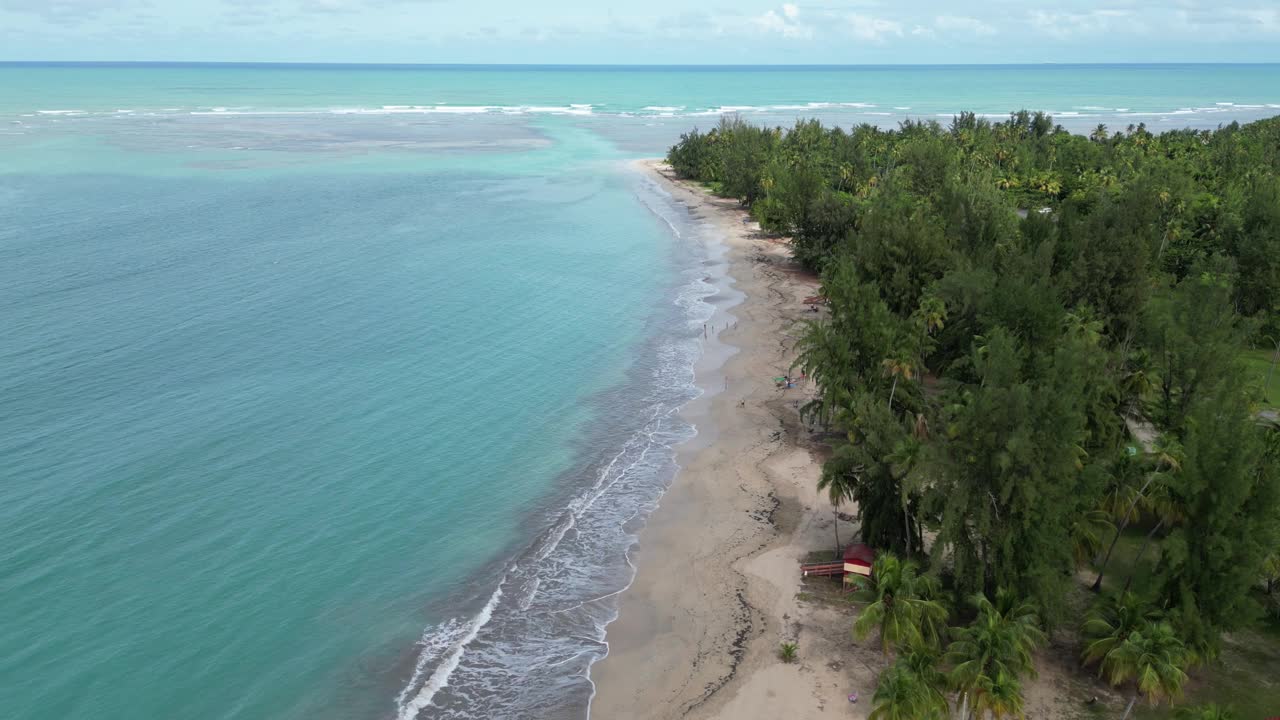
column 872, row 29
column 786, row 23
column 70, row 12
column 958, row 25
column 1092, row 22
column 1264, row 19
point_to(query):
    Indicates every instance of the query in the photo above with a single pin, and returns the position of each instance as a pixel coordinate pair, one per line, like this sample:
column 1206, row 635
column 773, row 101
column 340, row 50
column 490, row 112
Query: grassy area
column 1244, row 677
column 1257, row 363
column 1124, row 560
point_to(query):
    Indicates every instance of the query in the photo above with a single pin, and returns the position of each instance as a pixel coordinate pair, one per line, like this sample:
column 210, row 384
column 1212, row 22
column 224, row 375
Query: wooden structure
column 857, row 561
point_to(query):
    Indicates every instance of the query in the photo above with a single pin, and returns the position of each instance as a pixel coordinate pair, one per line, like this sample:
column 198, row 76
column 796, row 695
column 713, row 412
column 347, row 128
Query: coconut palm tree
column 899, row 366
column 1087, row 531
column 900, row 695
column 1166, row 455
column 1082, row 323
column 839, row 481
column 998, row 642
column 1152, row 659
column 1112, row 619
column 907, row 460
column 905, row 610
column 999, row 696
column 922, row 661
column 931, row 316
column 1168, row 507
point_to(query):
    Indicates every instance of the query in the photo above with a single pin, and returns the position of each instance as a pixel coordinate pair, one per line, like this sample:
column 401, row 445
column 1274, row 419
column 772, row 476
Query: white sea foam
column 409, row 708
column 480, row 672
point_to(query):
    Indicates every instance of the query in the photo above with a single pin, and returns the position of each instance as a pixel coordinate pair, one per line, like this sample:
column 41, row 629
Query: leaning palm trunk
column 1141, row 551
column 1124, row 523
column 835, row 510
column 1129, row 708
column 906, row 526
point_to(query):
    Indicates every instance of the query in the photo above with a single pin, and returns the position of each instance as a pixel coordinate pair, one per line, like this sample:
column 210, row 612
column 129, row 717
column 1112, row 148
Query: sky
column 648, row 32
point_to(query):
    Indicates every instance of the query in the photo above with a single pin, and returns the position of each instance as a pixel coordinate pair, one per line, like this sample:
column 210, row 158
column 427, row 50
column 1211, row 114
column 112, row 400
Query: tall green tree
column 1194, row 336
column 871, row 466
column 1010, row 470
column 1229, row 492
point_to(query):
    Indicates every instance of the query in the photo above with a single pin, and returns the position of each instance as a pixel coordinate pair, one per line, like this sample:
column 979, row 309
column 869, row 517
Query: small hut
column 858, row 558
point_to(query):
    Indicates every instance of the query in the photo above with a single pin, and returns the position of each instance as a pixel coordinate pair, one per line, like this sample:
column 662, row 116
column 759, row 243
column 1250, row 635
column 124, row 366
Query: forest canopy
column 1032, row 342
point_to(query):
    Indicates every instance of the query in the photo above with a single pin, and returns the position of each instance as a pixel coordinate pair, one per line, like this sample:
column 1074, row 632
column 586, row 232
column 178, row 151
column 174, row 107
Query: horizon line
column 286, row 63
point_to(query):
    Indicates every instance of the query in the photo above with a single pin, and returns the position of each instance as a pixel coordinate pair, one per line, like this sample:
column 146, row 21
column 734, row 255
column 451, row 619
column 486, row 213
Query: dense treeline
column 1032, row 345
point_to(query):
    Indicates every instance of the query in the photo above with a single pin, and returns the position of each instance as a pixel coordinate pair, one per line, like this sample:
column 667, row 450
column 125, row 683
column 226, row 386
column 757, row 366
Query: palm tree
column 1168, row 507
column 899, row 696
column 998, row 642
column 1099, row 134
column 1112, row 619
column 931, row 316
column 899, row 366
column 1000, row 696
column 1152, row 658
column 922, row 661
column 839, row 480
column 905, row 609
column 1082, row 323
column 1087, row 531
column 1167, row 456
column 909, row 462
column 846, row 176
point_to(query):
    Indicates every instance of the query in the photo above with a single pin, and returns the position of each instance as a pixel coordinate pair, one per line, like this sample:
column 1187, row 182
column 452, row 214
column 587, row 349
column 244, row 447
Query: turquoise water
column 342, row 392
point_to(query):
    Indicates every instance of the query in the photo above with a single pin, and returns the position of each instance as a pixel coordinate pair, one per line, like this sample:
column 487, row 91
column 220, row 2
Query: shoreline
column 717, row 581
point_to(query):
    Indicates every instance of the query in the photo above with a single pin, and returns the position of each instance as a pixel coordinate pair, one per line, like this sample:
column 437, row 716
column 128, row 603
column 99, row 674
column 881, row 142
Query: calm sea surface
column 341, row 392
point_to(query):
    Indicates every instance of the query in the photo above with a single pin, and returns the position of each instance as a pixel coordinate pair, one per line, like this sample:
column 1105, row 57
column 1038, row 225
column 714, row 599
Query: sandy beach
column 717, row 582
column 717, row 586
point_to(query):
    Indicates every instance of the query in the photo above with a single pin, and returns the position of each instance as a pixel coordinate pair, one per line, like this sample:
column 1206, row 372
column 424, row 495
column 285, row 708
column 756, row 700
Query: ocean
column 344, row 391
